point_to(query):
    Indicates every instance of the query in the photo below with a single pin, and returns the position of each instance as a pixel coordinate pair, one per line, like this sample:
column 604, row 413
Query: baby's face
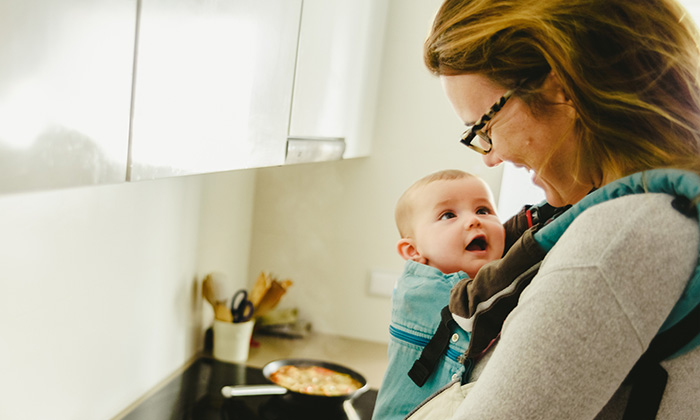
column 456, row 227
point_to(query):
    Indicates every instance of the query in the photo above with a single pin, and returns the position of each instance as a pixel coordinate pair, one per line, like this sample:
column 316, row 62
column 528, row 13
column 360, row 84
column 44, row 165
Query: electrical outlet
column 381, row 283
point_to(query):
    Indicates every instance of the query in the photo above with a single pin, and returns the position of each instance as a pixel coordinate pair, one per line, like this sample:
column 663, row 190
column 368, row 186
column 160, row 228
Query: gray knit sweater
column 601, row 295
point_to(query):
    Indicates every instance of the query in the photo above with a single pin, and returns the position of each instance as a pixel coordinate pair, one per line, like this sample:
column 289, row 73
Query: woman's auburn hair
column 630, row 68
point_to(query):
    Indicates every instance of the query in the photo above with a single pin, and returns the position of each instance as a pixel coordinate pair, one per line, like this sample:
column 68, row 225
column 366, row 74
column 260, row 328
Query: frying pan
column 271, row 389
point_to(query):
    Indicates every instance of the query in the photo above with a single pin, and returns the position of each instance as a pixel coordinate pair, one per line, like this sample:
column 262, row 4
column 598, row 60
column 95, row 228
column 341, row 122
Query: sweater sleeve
column 601, row 295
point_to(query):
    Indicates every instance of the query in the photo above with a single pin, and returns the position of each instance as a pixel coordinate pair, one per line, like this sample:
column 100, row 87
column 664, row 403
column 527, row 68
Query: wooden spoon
column 272, row 297
column 260, row 288
column 222, row 312
column 209, row 291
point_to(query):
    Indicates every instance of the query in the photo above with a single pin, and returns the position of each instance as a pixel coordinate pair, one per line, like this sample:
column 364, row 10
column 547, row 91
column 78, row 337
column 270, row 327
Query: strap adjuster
column 425, row 365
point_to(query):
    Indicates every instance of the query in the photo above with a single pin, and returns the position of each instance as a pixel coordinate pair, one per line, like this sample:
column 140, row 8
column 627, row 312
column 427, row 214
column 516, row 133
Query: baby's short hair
column 404, row 206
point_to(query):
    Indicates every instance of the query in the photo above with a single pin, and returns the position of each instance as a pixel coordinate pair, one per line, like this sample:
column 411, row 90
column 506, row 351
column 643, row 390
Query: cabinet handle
column 314, row 149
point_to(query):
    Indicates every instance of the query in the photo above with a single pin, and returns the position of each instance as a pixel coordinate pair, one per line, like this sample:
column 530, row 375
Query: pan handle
column 246, row 390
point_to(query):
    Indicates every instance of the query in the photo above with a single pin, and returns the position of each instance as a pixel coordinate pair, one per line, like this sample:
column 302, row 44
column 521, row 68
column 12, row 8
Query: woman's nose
column 491, row 159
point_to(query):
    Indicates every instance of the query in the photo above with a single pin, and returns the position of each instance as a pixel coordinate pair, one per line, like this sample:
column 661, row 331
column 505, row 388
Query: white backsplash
column 99, row 289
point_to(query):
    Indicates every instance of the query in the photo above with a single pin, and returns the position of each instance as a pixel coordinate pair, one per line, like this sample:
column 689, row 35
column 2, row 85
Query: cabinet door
column 338, row 71
column 65, row 89
column 213, row 85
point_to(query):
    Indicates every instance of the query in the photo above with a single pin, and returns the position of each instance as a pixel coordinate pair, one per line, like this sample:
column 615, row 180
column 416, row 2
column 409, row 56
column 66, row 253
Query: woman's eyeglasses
column 479, row 140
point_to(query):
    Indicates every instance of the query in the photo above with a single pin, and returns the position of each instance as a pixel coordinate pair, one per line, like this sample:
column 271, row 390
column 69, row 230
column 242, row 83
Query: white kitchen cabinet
column 213, row 85
column 337, row 74
column 65, row 89
column 224, row 85
column 103, row 91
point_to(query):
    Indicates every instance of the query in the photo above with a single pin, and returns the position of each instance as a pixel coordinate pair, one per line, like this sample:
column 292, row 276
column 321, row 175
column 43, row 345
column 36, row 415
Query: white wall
column 326, row 226
column 99, row 295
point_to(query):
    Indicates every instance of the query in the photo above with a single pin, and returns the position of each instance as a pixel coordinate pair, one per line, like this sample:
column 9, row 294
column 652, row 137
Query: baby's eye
column 484, row 210
column 447, row 215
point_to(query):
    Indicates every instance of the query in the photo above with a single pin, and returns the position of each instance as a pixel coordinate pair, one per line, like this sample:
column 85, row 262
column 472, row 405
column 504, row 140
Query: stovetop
column 196, row 395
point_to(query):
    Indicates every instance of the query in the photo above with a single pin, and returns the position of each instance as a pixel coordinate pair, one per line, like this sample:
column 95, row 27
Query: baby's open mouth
column 477, row 244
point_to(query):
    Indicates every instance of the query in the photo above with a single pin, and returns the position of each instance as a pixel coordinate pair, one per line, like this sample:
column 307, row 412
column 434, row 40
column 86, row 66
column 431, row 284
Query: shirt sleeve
column 601, row 295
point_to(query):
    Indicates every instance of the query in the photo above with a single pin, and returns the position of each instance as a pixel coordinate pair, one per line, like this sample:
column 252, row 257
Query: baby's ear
column 408, row 251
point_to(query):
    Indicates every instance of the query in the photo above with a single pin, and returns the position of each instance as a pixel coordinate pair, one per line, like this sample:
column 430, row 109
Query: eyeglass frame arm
column 474, row 130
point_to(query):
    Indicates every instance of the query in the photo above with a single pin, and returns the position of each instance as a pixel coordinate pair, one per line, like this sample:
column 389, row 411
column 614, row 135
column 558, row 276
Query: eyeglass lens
column 482, row 140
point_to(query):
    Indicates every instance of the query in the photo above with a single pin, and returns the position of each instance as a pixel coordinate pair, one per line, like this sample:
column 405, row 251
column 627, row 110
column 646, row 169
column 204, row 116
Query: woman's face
column 543, row 143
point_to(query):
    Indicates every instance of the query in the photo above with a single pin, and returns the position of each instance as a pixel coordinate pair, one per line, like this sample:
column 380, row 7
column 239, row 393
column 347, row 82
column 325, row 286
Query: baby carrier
column 485, row 301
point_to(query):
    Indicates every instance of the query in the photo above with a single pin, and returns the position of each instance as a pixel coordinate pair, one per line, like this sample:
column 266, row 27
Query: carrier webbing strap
column 648, row 378
column 424, row 366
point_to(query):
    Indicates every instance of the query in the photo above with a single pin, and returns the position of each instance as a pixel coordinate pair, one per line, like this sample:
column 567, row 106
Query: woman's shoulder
column 653, row 211
column 639, row 228
column 635, row 243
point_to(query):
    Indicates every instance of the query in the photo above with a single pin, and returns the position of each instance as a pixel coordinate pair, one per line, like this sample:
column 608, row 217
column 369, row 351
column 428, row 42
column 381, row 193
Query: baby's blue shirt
column 419, row 295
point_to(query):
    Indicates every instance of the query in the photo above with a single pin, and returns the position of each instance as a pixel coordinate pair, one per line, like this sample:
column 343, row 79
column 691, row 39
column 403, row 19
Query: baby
column 449, row 229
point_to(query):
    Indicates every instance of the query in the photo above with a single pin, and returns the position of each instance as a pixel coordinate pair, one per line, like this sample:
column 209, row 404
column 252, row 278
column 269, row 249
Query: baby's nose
column 472, row 222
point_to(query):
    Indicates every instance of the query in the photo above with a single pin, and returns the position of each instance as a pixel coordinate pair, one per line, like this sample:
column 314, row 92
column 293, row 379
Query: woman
column 586, row 92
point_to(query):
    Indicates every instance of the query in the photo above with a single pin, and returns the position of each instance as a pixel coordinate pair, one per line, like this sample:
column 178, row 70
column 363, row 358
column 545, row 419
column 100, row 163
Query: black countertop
column 196, row 395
